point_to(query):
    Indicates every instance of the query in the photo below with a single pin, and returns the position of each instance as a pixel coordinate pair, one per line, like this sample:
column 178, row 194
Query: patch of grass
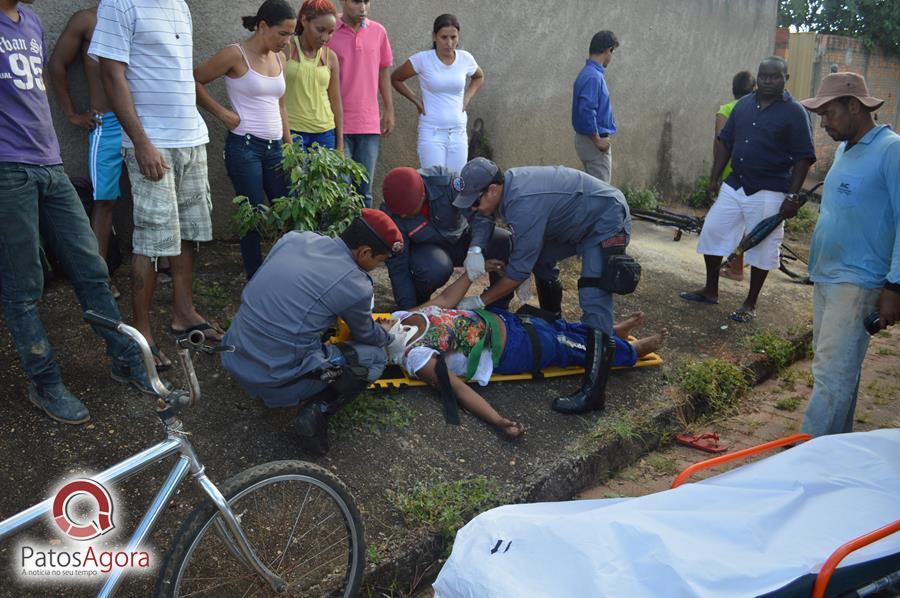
column 446, row 506
column 887, row 351
column 719, row 383
column 374, row 414
column 698, row 197
column 641, row 199
column 804, row 221
column 215, row 295
column 661, row 465
column 884, row 333
column 773, row 345
column 372, row 555
column 883, row 393
column 788, row 404
column 616, row 427
column 788, row 379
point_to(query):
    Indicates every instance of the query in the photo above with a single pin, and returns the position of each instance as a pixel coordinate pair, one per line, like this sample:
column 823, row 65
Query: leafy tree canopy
column 873, row 22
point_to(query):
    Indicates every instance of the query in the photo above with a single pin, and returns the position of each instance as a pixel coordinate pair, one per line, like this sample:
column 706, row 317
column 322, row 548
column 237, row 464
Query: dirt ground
column 231, row 433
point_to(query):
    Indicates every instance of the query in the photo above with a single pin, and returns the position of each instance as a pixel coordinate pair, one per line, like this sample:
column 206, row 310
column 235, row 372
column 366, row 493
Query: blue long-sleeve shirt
column 591, row 106
column 857, row 237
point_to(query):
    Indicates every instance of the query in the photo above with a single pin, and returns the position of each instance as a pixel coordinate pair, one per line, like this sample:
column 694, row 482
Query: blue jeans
column 326, row 139
column 364, row 149
column 35, row 202
column 254, row 166
column 840, row 342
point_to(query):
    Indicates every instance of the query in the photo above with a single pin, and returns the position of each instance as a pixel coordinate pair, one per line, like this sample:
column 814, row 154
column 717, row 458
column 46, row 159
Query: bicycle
column 233, row 544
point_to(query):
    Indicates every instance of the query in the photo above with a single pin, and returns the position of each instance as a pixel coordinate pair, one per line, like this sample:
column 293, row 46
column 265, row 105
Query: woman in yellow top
column 313, row 95
column 742, row 84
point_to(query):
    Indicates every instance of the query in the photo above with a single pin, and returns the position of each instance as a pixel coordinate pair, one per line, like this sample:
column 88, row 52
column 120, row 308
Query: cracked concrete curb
column 420, row 554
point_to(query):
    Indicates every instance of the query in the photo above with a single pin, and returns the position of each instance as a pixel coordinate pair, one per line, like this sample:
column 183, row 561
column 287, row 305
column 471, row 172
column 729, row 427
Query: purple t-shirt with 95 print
column 26, row 129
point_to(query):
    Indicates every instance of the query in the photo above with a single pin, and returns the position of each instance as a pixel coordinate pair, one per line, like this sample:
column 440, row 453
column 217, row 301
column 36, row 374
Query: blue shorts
column 562, row 345
column 105, row 157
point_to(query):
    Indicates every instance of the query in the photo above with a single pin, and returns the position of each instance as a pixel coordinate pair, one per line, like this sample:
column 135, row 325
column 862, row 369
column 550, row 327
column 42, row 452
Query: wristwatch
column 792, row 197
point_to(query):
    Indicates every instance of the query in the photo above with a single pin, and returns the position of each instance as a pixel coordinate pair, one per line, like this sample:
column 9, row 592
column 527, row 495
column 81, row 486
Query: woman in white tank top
column 257, row 122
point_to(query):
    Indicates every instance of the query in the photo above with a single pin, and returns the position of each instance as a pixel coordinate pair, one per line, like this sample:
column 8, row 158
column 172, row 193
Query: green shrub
column 372, row 413
column 719, row 383
column 804, row 221
column 698, row 197
column 322, row 196
column 647, row 200
column 773, row 345
column 446, row 506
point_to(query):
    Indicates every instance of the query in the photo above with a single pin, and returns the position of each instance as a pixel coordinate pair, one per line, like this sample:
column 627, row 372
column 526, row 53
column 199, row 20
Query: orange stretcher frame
column 399, row 379
column 842, row 551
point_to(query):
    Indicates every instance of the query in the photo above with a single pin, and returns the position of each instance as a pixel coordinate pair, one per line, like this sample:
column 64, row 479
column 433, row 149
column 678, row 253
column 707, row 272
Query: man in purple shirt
column 37, row 199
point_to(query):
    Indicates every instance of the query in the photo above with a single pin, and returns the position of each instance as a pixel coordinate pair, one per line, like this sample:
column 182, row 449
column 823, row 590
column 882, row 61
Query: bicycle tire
column 198, row 547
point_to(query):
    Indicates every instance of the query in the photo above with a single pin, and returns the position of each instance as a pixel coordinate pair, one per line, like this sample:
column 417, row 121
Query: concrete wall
column 672, row 71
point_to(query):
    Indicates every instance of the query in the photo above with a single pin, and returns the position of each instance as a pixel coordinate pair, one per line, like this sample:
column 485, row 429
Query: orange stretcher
column 395, row 377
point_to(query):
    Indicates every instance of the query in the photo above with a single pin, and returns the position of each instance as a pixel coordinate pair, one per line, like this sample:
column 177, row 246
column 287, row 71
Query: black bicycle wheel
column 301, row 520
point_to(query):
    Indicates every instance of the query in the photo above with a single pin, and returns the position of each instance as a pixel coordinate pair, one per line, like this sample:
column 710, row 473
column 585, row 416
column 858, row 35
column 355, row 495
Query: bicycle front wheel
column 300, row 519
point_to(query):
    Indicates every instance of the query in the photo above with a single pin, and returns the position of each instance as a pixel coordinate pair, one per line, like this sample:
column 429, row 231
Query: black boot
column 549, row 294
column 592, row 396
column 311, row 424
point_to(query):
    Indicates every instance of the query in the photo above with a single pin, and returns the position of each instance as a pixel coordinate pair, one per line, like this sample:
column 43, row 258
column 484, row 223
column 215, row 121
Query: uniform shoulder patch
column 459, row 184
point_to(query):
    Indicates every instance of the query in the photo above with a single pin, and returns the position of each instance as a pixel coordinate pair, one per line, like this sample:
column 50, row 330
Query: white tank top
column 255, row 99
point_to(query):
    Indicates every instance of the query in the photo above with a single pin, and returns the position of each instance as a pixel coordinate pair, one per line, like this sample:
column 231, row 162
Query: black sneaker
column 311, row 426
column 58, row 403
column 136, row 376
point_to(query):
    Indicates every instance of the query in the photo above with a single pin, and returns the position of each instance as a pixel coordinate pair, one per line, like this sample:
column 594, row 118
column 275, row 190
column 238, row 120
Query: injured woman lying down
column 444, row 347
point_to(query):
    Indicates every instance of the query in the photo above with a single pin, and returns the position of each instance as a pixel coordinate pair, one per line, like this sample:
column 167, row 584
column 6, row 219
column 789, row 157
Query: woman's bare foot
column 624, row 328
column 732, row 273
column 510, row 428
column 651, row 344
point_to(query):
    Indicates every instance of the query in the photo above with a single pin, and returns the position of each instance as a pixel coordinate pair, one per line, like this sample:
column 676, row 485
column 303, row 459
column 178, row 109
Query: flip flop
column 743, row 317
column 161, row 367
column 697, row 298
column 708, row 442
column 202, row 327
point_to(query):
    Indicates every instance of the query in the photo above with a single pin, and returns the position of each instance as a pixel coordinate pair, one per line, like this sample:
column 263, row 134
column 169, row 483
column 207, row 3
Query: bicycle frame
column 187, row 463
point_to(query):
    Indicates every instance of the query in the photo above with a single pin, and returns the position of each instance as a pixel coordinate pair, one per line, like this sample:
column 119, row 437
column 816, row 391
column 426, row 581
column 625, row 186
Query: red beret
column 382, row 225
column 403, row 190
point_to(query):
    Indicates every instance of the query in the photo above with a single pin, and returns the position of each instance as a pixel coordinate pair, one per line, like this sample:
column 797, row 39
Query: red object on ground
column 708, row 442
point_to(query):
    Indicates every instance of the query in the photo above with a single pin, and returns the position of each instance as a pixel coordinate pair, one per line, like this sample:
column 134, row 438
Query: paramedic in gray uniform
column 553, row 213
column 306, row 282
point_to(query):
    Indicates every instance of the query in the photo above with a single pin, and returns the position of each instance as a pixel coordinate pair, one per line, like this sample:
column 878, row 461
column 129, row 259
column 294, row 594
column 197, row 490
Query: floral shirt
column 453, row 332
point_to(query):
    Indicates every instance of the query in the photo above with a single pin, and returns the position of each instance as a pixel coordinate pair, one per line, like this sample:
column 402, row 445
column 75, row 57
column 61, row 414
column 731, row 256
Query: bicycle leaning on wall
column 284, row 527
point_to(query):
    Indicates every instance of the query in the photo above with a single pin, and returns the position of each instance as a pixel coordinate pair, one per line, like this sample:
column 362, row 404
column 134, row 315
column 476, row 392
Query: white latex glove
column 474, row 264
column 471, row 303
column 523, row 291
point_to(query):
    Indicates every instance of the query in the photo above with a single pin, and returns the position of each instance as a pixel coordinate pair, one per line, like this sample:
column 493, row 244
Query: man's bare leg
column 734, row 270
column 711, row 290
column 143, row 279
column 101, row 224
column 757, row 278
column 650, row 344
column 184, row 314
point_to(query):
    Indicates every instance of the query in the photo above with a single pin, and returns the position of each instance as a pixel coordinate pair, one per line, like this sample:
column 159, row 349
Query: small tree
column 323, row 196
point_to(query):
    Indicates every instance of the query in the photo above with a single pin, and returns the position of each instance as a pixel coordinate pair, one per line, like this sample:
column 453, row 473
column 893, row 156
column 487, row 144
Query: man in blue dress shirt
column 769, row 141
column 854, row 257
column 592, row 116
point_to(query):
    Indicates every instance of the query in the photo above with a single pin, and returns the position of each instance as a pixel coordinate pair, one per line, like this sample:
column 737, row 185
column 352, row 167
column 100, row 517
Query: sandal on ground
column 697, row 298
column 708, row 442
column 161, row 366
column 742, row 316
column 202, row 327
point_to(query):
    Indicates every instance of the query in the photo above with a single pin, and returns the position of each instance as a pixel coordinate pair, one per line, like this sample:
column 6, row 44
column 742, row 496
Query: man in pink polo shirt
column 364, row 52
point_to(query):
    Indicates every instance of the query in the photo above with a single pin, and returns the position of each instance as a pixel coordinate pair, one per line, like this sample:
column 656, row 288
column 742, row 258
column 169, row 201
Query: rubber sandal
column 708, row 442
column 743, row 317
column 161, row 367
column 697, row 298
column 202, row 327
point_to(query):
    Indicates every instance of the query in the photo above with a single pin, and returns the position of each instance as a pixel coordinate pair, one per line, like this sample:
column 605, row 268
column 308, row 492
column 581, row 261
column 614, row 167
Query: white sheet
column 743, row 533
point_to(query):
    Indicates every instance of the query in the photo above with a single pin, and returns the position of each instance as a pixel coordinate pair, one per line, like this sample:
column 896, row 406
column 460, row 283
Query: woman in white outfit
column 443, row 74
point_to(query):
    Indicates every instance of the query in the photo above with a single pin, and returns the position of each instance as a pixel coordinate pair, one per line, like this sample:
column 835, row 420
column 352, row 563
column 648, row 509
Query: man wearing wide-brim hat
column 854, row 257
